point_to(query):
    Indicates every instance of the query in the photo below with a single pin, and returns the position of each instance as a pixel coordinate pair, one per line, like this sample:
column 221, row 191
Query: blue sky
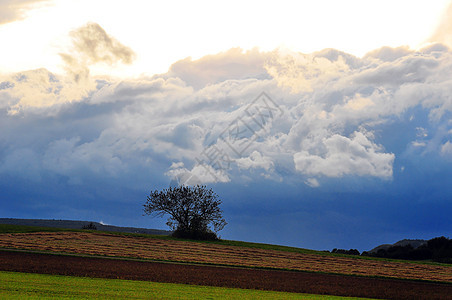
column 352, row 149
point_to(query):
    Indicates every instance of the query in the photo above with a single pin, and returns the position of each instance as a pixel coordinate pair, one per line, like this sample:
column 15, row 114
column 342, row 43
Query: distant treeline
column 437, row 249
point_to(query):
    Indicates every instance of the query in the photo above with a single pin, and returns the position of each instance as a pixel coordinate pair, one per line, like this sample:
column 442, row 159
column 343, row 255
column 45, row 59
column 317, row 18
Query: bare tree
column 194, row 211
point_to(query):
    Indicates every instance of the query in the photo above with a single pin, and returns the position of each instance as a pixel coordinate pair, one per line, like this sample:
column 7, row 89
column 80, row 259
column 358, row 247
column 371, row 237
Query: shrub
column 90, row 226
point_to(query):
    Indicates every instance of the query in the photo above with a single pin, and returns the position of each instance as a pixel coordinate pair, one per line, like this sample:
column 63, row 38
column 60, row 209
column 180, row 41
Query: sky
column 320, row 124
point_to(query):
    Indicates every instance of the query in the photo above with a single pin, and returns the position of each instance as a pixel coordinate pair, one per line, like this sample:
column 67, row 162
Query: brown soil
column 185, row 251
column 289, row 281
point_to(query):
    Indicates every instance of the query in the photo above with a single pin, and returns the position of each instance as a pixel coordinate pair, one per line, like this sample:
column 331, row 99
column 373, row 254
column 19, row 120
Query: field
column 245, row 278
column 222, row 264
column 187, row 251
column 38, row 286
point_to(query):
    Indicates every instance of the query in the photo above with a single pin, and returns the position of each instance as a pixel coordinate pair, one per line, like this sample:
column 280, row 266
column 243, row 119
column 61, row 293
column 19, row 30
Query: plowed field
column 289, row 281
column 185, row 251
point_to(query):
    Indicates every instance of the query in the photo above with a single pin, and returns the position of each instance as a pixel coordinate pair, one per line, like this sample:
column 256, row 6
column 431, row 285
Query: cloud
column 336, row 115
column 23, row 163
column 198, row 175
column 91, row 45
column 303, row 72
column 79, row 71
column 255, row 160
column 14, row 10
column 312, row 182
column 446, row 149
column 358, row 103
column 232, row 64
column 356, row 155
column 95, row 45
column 40, row 89
column 389, row 54
column 69, row 157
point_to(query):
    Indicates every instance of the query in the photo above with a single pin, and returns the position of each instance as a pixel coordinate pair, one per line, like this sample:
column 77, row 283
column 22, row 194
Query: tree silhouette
column 194, row 211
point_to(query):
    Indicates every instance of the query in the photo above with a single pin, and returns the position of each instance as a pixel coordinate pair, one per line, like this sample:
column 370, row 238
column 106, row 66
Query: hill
column 70, row 224
column 413, row 243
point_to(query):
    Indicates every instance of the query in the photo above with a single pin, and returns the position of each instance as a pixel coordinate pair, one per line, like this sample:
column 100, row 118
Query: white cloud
column 199, row 174
column 304, row 72
column 255, row 160
column 359, row 103
column 232, row 64
column 312, row 182
column 337, row 120
column 356, row 155
column 181, row 176
column 421, row 132
column 41, row 89
column 446, row 149
column 418, row 144
column 389, row 54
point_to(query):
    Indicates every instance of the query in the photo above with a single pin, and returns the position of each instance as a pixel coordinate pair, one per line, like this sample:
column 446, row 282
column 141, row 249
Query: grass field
column 7, row 228
column 38, row 286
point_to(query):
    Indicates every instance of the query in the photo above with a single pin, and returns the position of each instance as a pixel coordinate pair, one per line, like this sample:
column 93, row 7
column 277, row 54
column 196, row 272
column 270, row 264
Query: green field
column 40, row 286
column 7, row 228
